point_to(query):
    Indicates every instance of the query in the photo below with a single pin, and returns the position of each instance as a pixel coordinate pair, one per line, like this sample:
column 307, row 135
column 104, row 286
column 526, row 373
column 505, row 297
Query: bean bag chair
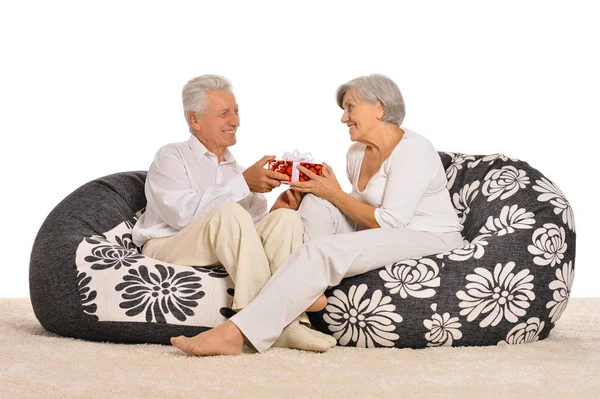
column 509, row 284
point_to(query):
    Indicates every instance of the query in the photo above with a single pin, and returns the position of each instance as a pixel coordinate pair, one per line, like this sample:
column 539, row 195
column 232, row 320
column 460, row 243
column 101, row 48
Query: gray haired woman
column 399, row 208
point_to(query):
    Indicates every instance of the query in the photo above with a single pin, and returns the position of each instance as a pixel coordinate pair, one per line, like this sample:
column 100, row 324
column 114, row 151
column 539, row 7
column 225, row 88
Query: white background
column 89, row 90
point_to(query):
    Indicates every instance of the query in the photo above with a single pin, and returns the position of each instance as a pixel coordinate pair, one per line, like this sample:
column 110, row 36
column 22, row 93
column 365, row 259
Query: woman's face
column 360, row 117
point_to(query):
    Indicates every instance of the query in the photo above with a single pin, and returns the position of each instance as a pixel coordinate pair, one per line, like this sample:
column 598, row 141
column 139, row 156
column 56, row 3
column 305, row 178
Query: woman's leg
column 323, row 263
column 281, row 233
column 321, row 218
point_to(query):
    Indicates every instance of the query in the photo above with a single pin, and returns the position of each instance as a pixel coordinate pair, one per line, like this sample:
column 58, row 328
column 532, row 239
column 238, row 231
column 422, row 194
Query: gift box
column 288, row 165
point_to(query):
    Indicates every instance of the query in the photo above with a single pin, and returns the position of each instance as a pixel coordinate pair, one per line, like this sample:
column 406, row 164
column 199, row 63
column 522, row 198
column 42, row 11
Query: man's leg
column 225, row 235
column 280, row 233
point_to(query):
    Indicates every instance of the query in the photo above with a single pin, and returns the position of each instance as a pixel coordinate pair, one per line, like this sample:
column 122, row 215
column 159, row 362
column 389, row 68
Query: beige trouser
column 335, row 251
column 227, row 236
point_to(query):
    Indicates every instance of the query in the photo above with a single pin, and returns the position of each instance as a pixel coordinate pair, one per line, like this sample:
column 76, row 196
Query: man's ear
column 193, row 119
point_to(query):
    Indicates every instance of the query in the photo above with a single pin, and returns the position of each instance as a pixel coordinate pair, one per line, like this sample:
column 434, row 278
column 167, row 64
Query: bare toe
column 225, row 339
column 183, row 344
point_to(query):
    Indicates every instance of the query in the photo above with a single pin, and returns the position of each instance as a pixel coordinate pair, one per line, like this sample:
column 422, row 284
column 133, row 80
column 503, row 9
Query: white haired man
column 205, row 209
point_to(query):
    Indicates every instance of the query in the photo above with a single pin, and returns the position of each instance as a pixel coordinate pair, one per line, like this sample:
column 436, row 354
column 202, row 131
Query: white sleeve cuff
column 385, row 220
column 239, row 188
column 258, row 207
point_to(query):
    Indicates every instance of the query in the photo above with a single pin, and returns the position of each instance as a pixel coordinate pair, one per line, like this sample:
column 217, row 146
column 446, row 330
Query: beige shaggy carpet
column 38, row 364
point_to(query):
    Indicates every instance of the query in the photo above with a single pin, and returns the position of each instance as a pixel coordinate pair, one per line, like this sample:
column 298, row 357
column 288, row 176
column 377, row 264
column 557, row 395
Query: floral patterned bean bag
column 509, row 284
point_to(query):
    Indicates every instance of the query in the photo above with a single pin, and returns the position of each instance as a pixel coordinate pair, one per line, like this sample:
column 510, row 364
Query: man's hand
column 289, row 199
column 261, row 180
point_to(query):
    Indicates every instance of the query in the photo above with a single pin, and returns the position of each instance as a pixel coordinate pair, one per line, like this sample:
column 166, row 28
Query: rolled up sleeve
column 411, row 171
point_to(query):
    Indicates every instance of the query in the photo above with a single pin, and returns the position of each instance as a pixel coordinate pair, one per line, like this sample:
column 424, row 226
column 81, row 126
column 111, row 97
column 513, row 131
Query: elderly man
column 205, row 209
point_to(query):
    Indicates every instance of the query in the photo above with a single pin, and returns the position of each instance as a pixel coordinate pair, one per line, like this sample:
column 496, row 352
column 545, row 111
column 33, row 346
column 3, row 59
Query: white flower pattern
column 474, row 249
column 364, row 322
column 524, row 333
column 443, row 330
column 511, row 218
column 549, row 245
column 504, row 182
column 490, row 159
column 416, row 278
column 456, row 164
column 502, row 294
column 550, row 192
column 561, row 288
column 463, row 199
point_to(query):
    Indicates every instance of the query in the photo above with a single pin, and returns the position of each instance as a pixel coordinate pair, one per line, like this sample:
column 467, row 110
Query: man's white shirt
column 184, row 182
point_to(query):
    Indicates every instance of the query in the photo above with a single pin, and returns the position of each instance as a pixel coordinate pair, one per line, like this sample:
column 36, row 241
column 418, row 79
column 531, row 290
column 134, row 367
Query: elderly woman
column 399, row 208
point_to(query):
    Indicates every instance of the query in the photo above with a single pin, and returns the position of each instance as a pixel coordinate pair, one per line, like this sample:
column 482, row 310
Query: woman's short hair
column 194, row 93
column 374, row 88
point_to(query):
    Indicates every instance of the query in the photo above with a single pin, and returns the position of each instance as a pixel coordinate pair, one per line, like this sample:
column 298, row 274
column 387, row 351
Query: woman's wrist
column 336, row 196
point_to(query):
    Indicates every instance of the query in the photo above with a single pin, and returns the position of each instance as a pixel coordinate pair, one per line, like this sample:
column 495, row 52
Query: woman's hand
column 289, row 199
column 325, row 186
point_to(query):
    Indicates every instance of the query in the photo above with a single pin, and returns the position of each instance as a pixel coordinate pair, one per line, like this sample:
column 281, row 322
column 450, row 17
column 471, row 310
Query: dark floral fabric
column 133, row 287
column 227, row 312
column 106, row 255
column 160, row 291
column 213, row 271
column 509, row 284
column 86, row 295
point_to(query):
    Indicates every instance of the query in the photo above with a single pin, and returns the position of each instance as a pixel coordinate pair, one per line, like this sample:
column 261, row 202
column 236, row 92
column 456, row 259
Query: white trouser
column 334, row 252
column 227, row 236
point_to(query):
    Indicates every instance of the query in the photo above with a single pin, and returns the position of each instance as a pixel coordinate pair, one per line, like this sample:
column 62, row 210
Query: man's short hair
column 194, row 93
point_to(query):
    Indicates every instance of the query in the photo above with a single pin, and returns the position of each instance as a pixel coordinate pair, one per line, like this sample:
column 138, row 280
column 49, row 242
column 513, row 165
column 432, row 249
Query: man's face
column 216, row 126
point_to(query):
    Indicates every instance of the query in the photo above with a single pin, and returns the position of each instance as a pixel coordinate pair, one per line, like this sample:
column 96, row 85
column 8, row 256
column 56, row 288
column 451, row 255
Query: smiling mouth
column 228, row 131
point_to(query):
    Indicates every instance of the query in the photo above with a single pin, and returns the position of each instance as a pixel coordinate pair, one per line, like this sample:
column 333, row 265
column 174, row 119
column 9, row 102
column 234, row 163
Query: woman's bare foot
column 224, row 339
column 319, row 304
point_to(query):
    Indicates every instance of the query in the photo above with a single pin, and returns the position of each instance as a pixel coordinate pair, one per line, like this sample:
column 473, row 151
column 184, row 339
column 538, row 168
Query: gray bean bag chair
column 509, row 284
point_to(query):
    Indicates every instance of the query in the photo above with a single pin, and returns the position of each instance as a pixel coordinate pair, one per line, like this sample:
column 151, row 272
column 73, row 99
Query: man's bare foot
column 224, row 339
column 298, row 336
column 319, row 304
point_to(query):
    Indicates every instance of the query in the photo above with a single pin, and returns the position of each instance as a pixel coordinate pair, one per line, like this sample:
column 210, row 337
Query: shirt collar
column 200, row 150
